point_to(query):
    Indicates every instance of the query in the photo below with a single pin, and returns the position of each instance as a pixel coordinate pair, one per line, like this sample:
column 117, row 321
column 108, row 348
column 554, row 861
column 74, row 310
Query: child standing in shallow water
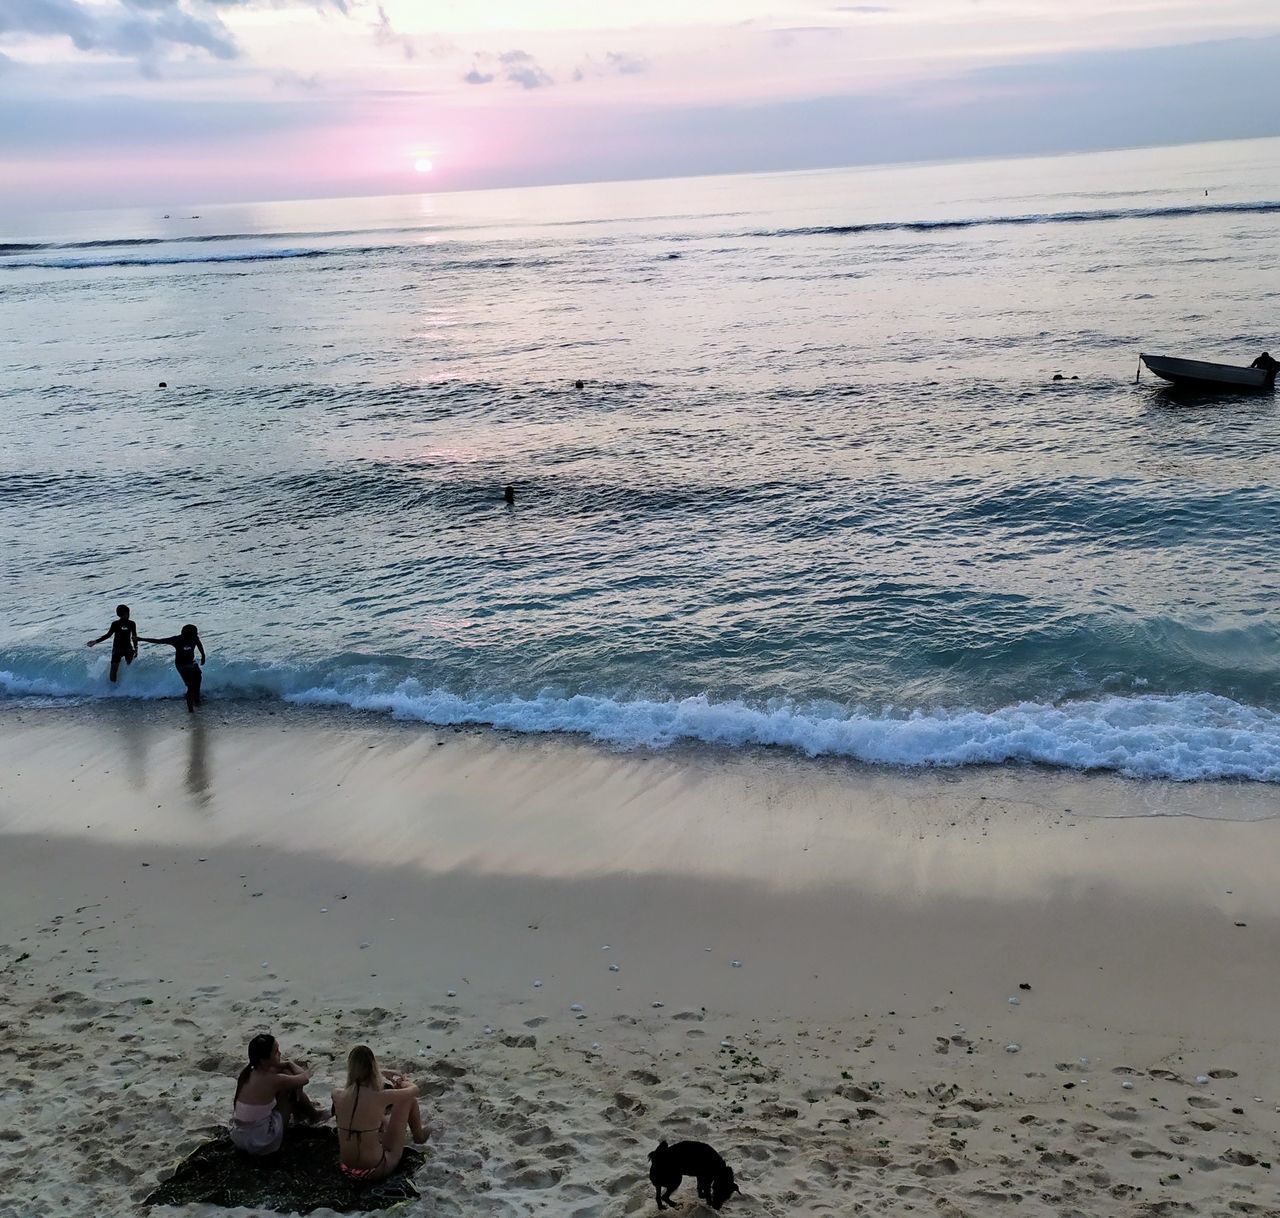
column 185, row 644
column 123, row 633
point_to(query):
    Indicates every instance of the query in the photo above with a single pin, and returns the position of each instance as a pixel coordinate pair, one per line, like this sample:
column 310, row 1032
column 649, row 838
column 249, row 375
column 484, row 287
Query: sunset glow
column 571, row 90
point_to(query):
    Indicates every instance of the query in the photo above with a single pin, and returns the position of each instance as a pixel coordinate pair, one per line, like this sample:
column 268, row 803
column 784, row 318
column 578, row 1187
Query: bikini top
column 355, row 1133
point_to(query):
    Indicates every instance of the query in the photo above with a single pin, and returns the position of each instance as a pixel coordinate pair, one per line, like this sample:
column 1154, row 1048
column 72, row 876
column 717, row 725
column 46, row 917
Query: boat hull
column 1202, row 375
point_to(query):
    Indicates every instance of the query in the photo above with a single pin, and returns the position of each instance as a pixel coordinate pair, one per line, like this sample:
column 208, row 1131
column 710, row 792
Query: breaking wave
column 1059, row 217
column 1180, row 737
column 62, row 263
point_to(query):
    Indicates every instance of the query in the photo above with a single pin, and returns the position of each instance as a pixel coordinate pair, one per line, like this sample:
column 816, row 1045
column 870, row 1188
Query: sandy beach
column 956, row 993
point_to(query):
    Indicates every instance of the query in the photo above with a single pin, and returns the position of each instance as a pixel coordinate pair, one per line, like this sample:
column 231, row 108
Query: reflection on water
column 135, row 742
column 570, row 811
column 197, row 775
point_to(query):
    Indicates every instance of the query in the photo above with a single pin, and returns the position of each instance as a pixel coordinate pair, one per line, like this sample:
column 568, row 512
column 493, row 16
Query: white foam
column 1184, row 737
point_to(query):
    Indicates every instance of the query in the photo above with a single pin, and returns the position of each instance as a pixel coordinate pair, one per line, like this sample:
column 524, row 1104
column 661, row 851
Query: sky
column 122, row 102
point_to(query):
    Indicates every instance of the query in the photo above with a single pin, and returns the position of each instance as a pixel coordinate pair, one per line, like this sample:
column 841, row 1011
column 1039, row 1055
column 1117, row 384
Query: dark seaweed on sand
column 303, row 1176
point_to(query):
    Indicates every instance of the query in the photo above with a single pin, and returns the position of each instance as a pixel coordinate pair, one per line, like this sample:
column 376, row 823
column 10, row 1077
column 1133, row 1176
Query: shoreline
column 336, row 883
column 1219, row 798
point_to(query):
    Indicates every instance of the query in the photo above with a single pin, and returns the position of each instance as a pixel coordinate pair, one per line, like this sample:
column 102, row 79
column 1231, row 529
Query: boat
column 1200, row 374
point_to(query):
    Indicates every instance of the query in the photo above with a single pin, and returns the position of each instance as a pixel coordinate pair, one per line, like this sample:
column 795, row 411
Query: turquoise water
column 819, row 488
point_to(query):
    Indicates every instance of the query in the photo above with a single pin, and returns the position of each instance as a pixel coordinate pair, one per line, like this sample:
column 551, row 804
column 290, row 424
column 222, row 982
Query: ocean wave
column 1037, row 218
column 103, row 243
column 71, row 264
column 1180, row 737
column 49, row 253
column 481, row 263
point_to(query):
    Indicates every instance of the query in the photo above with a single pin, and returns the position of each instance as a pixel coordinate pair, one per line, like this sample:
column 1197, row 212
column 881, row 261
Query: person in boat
column 185, row 645
column 1268, row 363
column 375, row 1113
column 269, row 1095
column 123, row 633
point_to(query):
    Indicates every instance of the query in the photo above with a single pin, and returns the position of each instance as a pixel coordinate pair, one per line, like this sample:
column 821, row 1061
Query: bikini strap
column 355, row 1104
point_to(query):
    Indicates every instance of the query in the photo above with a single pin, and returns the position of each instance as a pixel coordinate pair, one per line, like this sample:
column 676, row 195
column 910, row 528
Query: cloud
column 864, row 8
column 522, row 69
column 133, row 29
column 620, row 63
column 625, row 63
column 64, row 129
column 386, row 35
column 136, row 30
column 516, row 66
column 296, row 80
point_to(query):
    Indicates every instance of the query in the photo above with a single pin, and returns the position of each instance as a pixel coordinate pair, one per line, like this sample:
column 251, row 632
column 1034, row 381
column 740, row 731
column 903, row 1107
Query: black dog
column 668, row 1165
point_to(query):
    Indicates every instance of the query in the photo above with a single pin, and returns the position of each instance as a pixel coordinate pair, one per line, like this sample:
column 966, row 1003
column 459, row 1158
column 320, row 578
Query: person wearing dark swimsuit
column 123, row 633
column 185, row 645
column 375, row 1115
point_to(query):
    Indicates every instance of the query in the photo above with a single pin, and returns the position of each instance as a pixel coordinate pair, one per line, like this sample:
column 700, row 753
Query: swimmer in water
column 185, row 645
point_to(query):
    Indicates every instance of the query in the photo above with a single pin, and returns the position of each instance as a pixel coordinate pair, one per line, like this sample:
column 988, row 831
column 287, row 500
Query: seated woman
column 269, row 1094
column 375, row 1113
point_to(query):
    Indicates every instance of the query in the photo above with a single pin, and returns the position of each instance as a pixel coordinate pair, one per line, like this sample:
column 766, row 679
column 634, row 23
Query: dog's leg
column 657, row 1191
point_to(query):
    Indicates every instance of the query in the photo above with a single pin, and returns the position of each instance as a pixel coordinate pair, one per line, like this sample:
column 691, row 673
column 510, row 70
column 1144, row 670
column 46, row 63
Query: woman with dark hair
column 268, row 1095
column 185, row 645
column 375, row 1113
column 123, row 633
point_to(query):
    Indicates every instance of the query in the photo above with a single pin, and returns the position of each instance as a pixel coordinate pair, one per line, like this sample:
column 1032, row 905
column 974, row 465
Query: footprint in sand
column 1202, row 1101
column 940, row 1167
column 1146, row 1151
column 1060, row 1158
column 989, row 1196
column 1223, row 1074
column 532, row 1176
column 1240, row 1158
column 537, row 1135
column 624, row 1184
column 868, row 1158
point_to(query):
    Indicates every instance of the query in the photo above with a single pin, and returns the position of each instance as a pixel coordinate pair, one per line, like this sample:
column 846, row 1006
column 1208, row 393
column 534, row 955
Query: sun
column 423, row 164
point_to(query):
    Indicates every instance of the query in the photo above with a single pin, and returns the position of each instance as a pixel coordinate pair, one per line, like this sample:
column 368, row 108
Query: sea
column 860, row 465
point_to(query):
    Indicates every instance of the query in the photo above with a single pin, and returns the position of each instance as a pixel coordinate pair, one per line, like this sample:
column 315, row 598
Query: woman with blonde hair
column 375, row 1114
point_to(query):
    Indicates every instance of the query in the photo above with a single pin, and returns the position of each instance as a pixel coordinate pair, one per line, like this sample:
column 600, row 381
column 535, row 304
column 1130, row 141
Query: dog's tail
column 653, row 1154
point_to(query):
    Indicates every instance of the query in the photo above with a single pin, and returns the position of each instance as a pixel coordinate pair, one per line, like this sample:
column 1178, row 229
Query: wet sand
column 812, row 966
